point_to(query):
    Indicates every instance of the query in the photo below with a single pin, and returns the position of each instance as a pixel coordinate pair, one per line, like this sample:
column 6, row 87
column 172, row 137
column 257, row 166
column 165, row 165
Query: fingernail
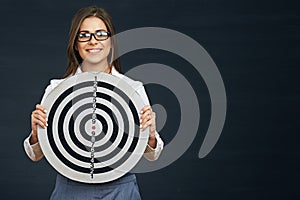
column 45, row 111
column 141, row 121
column 141, row 126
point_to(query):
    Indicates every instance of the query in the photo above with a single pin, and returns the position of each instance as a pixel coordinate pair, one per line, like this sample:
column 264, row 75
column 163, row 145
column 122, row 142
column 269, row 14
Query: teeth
column 94, row 50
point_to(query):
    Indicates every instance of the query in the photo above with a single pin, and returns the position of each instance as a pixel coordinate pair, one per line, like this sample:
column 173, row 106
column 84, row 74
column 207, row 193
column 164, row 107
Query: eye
column 101, row 33
column 84, row 35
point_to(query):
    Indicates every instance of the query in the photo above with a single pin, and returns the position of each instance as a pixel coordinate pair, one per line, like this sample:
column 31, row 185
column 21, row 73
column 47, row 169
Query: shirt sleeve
column 34, row 151
column 152, row 154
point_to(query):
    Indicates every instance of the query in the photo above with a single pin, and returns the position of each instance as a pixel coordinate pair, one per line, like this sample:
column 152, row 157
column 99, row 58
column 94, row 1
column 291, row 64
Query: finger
column 146, row 124
column 40, row 107
column 146, row 112
column 145, row 108
column 37, row 118
column 153, row 122
column 40, row 112
column 36, row 122
column 40, row 115
column 146, row 116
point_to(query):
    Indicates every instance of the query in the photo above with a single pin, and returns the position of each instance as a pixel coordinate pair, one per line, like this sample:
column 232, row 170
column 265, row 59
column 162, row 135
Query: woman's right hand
column 38, row 117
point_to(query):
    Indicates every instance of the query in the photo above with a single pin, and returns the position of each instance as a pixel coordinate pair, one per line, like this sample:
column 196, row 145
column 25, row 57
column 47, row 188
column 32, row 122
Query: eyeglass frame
column 93, row 34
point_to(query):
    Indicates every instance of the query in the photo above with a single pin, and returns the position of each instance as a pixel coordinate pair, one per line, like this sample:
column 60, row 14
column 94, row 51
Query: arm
column 148, row 119
column 38, row 117
column 31, row 144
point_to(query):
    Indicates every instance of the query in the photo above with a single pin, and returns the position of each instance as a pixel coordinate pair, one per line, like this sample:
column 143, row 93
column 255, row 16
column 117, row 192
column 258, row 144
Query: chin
column 93, row 60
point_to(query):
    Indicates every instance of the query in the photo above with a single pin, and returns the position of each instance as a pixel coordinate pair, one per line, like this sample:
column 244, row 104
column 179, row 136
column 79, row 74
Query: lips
column 94, row 50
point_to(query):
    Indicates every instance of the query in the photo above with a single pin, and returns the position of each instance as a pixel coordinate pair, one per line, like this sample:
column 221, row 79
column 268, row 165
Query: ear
column 75, row 47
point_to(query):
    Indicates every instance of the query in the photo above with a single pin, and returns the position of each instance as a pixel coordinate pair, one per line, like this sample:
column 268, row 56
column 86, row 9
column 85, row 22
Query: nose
column 93, row 39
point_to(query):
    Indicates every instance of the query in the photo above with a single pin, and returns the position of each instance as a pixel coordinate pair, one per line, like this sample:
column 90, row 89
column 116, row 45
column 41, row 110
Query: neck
column 95, row 67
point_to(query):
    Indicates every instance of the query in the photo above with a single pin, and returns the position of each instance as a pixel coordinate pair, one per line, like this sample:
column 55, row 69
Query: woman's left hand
column 148, row 120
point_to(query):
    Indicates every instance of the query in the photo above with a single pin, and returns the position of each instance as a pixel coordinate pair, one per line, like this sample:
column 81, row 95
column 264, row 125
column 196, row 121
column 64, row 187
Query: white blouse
column 34, row 151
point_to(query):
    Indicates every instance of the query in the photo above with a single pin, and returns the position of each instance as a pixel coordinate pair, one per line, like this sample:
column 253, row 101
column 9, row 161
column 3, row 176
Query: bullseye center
column 96, row 127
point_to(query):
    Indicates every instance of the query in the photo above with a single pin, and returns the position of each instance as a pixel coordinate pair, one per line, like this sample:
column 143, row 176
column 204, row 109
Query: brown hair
column 74, row 58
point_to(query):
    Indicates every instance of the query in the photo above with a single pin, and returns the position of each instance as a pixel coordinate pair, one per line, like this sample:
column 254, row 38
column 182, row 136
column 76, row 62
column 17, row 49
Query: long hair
column 74, row 58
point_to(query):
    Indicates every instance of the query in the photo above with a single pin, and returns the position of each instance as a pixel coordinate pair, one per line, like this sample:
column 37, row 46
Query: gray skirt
column 124, row 188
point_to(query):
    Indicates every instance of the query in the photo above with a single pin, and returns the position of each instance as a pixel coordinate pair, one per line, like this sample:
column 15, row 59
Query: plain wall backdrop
column 255, row 45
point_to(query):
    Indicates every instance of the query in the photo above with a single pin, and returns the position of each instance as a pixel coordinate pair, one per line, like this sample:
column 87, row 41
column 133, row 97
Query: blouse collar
column 113, row 70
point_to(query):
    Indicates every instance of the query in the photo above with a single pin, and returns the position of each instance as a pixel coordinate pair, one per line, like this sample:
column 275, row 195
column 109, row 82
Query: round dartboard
column 93, row 133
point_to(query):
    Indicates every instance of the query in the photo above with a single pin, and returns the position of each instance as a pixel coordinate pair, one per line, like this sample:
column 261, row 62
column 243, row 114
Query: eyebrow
column 86, row 31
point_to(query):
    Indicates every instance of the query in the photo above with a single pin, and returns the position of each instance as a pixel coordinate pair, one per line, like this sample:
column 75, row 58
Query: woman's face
column 95, row 51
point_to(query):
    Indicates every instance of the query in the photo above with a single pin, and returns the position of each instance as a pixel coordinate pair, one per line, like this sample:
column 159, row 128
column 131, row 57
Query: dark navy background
column 255, row 45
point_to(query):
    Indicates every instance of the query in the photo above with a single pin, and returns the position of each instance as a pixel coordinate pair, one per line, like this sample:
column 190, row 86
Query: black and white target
column 119, row 141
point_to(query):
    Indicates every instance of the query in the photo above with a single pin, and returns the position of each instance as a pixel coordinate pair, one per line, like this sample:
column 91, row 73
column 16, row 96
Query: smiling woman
column 92, row 49
column 99, row 20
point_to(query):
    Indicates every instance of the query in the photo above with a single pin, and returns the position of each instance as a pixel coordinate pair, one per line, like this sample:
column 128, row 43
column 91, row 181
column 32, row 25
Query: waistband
column 129, row 177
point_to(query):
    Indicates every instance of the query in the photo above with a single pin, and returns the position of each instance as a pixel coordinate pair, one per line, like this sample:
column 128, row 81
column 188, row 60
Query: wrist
column 152, row 140
column 152, row 136
column 33, row 139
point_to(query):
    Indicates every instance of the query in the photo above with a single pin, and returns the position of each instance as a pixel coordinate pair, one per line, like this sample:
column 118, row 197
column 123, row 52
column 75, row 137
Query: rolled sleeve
column 152, row 154
column 34, row 151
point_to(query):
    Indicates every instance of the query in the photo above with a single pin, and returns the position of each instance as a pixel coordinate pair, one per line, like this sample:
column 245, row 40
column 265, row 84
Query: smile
column 95, row 50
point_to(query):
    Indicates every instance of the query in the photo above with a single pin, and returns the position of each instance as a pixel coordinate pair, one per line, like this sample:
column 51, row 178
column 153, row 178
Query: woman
column 91, row 48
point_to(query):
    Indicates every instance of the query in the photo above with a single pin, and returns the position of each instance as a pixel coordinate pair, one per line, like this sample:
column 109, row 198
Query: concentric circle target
column 67, row 141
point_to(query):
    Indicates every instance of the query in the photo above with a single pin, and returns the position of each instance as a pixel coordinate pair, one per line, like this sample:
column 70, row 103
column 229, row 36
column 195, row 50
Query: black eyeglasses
column 100, row 35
